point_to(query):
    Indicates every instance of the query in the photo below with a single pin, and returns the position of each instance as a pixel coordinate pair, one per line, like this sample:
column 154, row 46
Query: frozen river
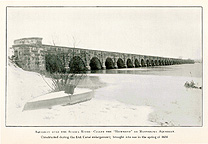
column 161, row 88
column 187, row 70
column 153, row 96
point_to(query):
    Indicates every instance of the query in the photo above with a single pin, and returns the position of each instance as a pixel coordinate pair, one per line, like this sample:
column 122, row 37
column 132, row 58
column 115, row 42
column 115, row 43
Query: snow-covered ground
column 24, row 86
column 173, row 104
column 122, row 99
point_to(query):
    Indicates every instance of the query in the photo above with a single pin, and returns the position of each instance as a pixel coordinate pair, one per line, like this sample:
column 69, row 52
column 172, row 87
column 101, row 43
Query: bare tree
column 65, row 81
column 75, row 41
column 54, row 39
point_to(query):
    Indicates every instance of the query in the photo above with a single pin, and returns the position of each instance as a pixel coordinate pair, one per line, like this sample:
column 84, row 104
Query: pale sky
column 167, row 32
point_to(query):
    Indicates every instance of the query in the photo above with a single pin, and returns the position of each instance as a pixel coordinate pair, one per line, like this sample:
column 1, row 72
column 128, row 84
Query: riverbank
column 119, row 100
column 24, row 86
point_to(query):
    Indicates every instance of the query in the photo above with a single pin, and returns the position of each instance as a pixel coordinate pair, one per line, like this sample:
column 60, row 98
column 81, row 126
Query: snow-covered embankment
column 24, row 86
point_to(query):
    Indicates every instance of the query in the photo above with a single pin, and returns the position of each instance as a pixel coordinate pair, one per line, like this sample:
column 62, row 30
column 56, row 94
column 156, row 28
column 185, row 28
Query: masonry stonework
column 30, row 55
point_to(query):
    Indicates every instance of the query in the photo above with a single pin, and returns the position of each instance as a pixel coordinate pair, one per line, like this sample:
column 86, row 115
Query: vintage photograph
column 104, row 66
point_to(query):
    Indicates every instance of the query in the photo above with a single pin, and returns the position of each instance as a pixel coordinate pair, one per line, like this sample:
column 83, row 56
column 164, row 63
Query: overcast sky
column 168, row 32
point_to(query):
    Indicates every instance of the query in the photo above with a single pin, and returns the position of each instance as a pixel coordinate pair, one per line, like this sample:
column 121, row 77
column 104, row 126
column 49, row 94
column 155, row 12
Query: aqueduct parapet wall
column 30, row 54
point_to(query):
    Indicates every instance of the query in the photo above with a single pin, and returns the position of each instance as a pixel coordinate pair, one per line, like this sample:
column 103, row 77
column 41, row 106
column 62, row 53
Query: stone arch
column 142, row 63
column 152, row 63
column 136, row 63
column 168, row 62
column 129, row 63
column 159, row 62
column 95, row 64
column 109, row 63
column 76, row 64
column 156, row 63
column 148, row 62
column 53, row 63
column 120, row 63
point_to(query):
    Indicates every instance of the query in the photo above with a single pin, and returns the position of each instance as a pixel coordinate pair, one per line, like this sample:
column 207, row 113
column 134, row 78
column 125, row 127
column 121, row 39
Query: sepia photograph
column 111, row 66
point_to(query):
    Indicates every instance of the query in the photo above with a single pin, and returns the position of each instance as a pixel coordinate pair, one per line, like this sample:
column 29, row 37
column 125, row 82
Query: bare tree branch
column 75, row 42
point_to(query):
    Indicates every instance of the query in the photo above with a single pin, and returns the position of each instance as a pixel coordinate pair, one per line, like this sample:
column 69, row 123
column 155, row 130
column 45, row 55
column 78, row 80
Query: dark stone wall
column 30, row 54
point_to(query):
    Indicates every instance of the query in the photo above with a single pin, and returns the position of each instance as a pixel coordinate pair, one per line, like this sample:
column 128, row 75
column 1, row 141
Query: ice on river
column 126, row 100
column 173, row 104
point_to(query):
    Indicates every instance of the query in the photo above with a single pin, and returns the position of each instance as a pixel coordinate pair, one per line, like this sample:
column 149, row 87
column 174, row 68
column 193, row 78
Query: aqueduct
column 30, row 54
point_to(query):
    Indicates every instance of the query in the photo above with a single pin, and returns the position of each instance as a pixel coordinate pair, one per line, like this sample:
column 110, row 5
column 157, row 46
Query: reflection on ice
column 173, row 70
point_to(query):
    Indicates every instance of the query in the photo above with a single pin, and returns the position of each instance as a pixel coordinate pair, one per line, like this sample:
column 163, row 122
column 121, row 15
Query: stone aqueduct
column 30, row 55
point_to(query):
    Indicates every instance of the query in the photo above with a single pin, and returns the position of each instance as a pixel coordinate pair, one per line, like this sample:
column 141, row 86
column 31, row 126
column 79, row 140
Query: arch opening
column 152, row 63
column 168, row 62
column 77, row 65
column 109, row 63
column 120, row 63
column 156, row 63
column 54, row 64
column 136, row 63
column 129, row 63
column 162, row 62
column 148, row 62
column 95, row 64
column 159, row 63
column 142, row 63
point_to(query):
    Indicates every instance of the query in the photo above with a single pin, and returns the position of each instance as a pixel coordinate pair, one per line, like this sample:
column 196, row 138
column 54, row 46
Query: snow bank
column 124, row 99
column 24, row 86
column 173, row 104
